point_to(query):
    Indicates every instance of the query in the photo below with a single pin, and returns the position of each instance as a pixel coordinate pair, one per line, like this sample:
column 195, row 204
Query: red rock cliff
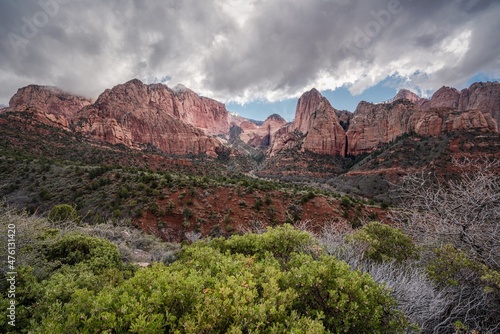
column 448, row 110
column 483, row 96
column 201, row 112
column 136, row 115
column 261, row 135
column 378, row 123
column 319, row 124
column 49, row 105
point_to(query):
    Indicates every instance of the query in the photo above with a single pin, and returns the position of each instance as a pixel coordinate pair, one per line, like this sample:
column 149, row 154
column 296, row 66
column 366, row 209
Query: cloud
column 245, row 50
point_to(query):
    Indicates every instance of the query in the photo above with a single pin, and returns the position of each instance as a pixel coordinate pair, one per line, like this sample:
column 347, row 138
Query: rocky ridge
column 49, row 105
column 476, row 108
column 179, row 121
column 137, row 115
column 374, row 124
column 316, row 128
column 261, row 136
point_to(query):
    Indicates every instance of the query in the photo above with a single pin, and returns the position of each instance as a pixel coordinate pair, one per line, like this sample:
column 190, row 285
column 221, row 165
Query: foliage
column 275, row 282
column 473, row 288
column 307, row 196
column 76, row 263
column 63, row 212
column 281, row 242
column 72, row 249
column 385, row 243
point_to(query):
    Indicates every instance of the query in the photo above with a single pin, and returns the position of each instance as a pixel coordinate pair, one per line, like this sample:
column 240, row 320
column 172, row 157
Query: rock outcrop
column 316, row 120
column 137, row 115
column 483, row 96
column 179, row 121
column 181, row 103
column 49, row 105
column 405, row 94
column 261, row 136
column 441, row 120
column 444, row 97
column 284, row 139
column 201, row 112
column 176, row 121
column 373, row 124
column 472, row 109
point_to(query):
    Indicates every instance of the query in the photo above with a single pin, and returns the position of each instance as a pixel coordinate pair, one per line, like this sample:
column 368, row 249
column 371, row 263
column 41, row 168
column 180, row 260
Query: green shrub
column 238, row 285
column 154, row 209
column 345, row 202
column 307, row 196
column 451, row 266
column 385, row 243
column 63, row 212
column 187, row 213
column 258, row 203
column 170, row 207
column 75, row 248
column 268, row 200
column 346, row 300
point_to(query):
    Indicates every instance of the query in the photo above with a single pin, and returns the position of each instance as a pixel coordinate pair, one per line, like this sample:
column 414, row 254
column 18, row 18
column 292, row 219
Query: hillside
column 100, row 189
column 108, row 158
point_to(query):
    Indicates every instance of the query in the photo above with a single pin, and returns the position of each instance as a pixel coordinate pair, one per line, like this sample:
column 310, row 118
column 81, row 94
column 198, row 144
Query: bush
column 75, row 248
column 239, row 285
column 170, row 207
column 307, row 196
column 258, row 203
column 472, row 288
column 63, row 212
column 384, row 243
column 187, row 213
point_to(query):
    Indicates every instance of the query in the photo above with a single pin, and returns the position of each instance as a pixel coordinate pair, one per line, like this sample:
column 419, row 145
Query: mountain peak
column 407, row 95
column 275, row 117
column 134, row 81
column 312, row 91
column 180, row 88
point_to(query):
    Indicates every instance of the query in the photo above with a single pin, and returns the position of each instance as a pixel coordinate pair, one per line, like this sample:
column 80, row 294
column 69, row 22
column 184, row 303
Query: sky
column 256, row 56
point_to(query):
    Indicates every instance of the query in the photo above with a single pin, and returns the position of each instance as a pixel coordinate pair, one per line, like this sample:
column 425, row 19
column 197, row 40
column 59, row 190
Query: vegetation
column 63, row 212
column 280, row 281
column 80, row 278
column 433, row 269
column 381, row 242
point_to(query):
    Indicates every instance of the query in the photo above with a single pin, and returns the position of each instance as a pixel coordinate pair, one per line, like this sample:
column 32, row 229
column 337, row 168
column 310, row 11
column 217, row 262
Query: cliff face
column 483, row 96
column 476, row 108
column 441, row 120
column 136, row 115
column 181, row 103
column 178, row 121
column 261, row 136
column 319, row 125
column 49, row 105
column 444, row 97
column 405, row 94
column 201, row 112
column 379, row 123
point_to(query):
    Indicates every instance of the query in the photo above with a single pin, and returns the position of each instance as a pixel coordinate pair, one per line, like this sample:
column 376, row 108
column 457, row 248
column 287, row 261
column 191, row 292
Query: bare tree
column 464, row 211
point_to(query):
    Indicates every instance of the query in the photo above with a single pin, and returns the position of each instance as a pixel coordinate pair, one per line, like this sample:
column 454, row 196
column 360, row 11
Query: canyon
column 180, row 122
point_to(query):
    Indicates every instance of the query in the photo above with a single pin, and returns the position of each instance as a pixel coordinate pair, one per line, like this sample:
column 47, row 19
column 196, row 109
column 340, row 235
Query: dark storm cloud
column 237, row 49
column 291, row 43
